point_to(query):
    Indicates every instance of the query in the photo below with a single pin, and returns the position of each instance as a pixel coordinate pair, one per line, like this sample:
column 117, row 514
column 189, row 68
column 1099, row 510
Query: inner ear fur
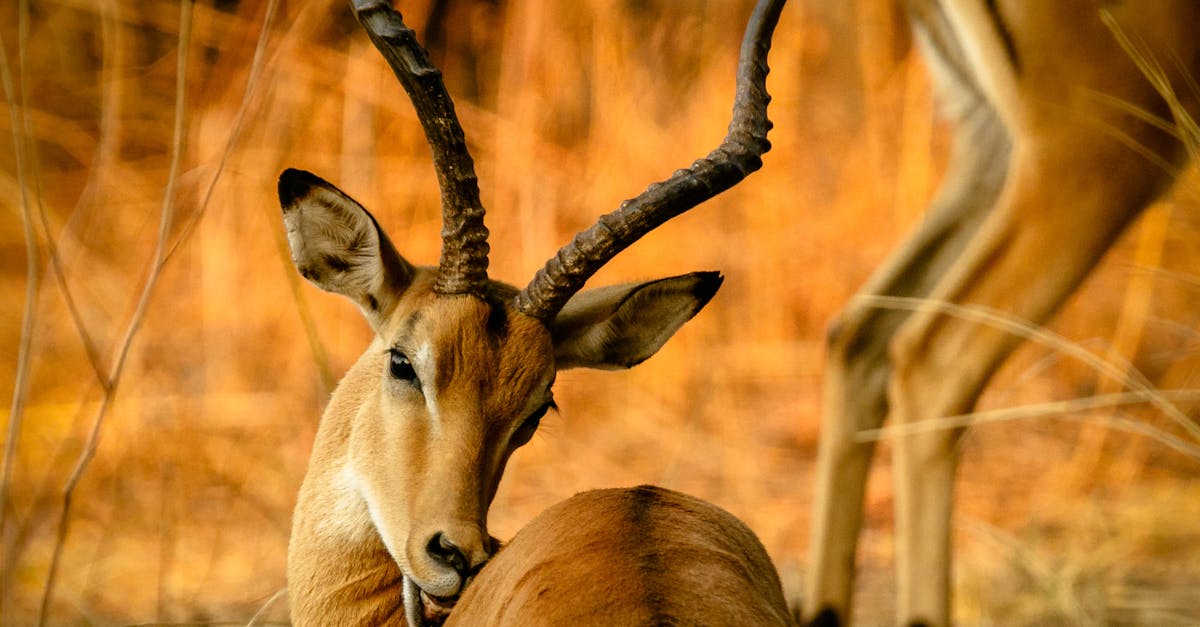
column 623, row 325
column 338, row 246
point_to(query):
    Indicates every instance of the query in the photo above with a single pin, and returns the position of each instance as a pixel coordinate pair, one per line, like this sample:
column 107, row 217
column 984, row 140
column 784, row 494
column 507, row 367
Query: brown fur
column 343, row 555
column 638, row 556
column 1050, row 163
column 407, row 461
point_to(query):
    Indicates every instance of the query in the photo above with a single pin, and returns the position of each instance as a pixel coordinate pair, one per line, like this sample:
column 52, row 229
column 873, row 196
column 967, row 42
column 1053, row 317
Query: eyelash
column 525, row 432
column 536, row 416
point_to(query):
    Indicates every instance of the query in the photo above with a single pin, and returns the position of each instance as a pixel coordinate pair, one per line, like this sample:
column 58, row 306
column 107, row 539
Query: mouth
column 423, row 609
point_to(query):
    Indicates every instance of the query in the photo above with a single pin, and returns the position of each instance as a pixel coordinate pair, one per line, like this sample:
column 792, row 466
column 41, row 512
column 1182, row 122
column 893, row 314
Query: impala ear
column 337, row 245
column 623, row 325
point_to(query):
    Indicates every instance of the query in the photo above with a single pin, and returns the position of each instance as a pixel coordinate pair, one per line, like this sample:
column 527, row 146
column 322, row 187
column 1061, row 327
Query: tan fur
column 350, row 529
column 1048, row 167
column 638, row 556
column 408, row 457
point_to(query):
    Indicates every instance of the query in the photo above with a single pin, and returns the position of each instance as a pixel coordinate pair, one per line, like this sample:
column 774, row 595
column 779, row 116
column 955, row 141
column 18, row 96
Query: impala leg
column 1071, row 193
column 857, row 369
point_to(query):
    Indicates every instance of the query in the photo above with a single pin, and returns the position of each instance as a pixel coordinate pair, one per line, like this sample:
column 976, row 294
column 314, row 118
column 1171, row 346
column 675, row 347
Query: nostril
column 446, row 553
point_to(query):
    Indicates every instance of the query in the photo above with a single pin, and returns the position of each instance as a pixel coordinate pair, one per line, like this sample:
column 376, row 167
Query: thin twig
column 45, row 494
column 1034, row 333
column 1187, row 280
column 60, row 277
column 262, row 611
column 206, row 623
column 139, row 314
column 256, row 65
column 106, row 148
column 307, row 319
column 20, row 386
column 252, row 80
column 1156, row 75
column 1063, row 409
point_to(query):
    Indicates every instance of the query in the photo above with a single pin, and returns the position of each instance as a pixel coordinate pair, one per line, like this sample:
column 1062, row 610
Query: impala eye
column 401, row 368
column 525, row 432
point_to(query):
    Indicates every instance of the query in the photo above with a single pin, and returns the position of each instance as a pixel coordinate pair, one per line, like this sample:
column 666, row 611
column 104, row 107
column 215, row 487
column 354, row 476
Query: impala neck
column 354, row 584
column 339, row 571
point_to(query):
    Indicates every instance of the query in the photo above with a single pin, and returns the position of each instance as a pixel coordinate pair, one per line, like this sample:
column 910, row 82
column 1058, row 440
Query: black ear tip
column 295, row 184
column 707, row 284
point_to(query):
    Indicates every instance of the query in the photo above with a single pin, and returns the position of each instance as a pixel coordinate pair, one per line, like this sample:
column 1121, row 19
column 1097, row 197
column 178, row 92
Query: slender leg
column 857, row 370
column 1015, row 235
column 1055, row 218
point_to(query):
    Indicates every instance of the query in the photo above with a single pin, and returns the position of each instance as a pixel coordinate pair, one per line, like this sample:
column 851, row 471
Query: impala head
column 461, row 369
column 460, row 380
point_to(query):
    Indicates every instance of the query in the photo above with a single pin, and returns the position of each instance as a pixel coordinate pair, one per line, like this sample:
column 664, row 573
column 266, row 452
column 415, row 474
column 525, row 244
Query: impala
column 636, row 556
column 1068, row 117
column 391, row 520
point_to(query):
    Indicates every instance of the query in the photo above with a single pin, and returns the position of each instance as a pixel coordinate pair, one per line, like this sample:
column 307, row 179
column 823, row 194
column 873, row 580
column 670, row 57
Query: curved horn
column 737, row 156
column 463, row 266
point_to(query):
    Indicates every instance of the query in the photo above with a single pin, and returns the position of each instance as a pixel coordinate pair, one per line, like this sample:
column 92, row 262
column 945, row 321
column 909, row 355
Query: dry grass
column 183, row 513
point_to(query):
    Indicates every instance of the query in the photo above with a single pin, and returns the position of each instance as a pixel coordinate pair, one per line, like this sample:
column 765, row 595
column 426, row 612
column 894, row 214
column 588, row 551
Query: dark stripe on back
column 650, row 566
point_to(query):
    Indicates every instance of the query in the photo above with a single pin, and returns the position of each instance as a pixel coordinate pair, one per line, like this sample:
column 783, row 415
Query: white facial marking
column 351, row 519
column 424, row 362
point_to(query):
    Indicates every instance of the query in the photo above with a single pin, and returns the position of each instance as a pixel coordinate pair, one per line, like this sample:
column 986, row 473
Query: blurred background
column 167, row 366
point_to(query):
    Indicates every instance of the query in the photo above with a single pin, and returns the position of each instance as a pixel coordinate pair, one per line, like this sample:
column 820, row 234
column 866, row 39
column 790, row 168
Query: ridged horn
column 464, row 261
column 737, row 156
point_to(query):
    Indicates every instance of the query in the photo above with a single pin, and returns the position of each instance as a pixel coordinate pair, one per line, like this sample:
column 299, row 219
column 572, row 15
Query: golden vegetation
column 203, row 431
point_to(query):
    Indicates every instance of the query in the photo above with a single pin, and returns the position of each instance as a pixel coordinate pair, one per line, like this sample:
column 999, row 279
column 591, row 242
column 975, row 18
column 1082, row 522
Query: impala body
column 635, row 556
column 1068, row 119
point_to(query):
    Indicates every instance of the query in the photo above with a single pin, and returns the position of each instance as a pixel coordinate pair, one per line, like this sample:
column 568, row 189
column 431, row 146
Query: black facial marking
column 497, row 321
